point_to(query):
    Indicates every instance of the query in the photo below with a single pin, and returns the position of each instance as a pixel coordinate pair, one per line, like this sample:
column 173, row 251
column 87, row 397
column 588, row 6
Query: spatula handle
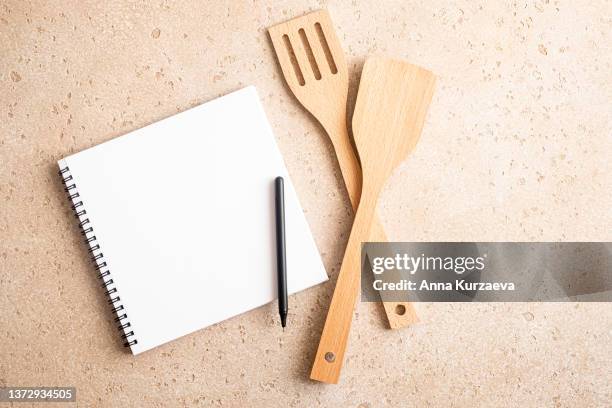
column 399, row 314
column 330, row 354
column 347, row 159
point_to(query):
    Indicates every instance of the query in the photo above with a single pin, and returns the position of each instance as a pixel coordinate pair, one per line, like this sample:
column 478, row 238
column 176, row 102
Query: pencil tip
column 284, row 321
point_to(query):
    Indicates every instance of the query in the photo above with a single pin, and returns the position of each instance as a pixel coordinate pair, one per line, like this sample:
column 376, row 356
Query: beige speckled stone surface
column 517, row 146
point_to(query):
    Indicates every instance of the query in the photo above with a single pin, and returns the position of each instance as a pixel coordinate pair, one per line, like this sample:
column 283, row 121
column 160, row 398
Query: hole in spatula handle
column 400, row 310
column 330, row 357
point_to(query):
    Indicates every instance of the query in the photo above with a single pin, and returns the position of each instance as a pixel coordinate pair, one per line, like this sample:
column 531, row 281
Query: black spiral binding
column 97, row 257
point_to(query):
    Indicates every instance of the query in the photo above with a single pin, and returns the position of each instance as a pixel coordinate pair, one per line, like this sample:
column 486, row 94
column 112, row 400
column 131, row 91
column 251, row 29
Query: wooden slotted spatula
column 314, row 67
column 391, row 106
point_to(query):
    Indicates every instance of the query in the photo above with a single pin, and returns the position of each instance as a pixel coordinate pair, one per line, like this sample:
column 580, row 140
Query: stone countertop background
column 516, row 147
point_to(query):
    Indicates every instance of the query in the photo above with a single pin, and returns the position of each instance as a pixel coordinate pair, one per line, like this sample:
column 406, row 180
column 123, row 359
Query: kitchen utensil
column 391, row 106
column 314, row 67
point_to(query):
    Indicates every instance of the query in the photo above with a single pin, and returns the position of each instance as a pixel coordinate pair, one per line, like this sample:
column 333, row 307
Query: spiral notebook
column 179, row 219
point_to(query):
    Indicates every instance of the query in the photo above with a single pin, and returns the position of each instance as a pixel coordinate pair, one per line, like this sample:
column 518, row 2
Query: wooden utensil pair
column 389, row 114
column 314, row 67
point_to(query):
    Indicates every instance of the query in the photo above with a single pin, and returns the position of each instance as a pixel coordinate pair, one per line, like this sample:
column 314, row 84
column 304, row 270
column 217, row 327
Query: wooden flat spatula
column 314, row 67
column 391, row 106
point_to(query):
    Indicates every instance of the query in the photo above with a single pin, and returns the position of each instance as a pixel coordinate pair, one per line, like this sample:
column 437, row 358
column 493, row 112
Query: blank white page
column 183, row 211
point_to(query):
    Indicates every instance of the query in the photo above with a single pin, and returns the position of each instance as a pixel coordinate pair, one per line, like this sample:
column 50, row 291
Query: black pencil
column 281, row 256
